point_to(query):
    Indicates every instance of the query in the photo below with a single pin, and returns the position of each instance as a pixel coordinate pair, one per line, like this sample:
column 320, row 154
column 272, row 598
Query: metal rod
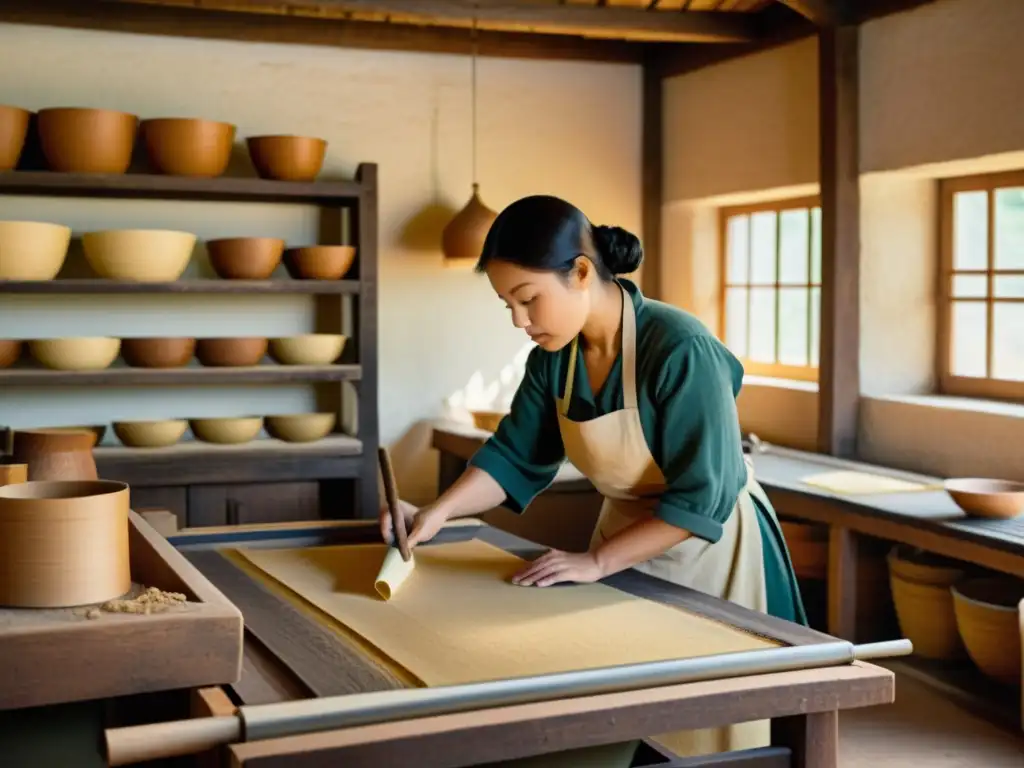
column 310, row 715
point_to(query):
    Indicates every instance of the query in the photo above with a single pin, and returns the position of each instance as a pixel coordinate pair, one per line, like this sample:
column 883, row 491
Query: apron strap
column 629, row 400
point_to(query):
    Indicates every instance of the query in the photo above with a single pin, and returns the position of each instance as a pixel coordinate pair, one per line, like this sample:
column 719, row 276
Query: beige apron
column 612, row 452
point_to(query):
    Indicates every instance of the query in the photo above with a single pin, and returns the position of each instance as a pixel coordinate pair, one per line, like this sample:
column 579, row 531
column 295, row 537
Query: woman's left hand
column 555, row 566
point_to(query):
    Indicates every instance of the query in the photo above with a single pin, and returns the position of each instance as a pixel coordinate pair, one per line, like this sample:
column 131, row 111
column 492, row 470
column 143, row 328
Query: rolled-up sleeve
column 701, row 446
column 525, row 452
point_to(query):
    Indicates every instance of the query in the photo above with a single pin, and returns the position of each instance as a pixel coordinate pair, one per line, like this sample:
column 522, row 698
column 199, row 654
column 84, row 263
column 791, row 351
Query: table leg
column 842, row 583
column 449, row 469
column 813, row 739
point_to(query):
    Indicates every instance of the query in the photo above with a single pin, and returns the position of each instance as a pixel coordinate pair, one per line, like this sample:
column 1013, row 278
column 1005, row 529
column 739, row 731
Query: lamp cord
column 473, row 96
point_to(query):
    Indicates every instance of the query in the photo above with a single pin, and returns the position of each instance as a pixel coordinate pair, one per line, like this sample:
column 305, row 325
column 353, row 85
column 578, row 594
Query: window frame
column 771, row 370
column 947, row 382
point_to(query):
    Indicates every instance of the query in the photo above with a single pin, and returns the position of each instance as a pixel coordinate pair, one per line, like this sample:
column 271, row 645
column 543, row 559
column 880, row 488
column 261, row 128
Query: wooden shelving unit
column 191, row 468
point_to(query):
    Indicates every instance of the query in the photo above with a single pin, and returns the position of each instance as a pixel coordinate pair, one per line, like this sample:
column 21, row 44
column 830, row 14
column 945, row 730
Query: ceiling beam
column 820, row 12
column 521, row 16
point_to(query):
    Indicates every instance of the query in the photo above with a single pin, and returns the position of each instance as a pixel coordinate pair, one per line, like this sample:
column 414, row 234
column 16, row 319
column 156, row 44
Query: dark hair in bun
column 548, row 233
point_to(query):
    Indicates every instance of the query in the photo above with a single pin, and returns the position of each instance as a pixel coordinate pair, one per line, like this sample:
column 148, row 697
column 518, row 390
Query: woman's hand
column 425, row 525
column 386, row 528
column 555, row 567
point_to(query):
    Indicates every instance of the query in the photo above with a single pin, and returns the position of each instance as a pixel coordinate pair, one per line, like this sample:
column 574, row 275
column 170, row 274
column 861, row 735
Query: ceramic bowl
column 226, row 431
column 487, row 420
column 182, row 146
column 77, row 353
column 32, row 250
column 157, row 352
column 301, row 427
column 13, row 130
column 319, row 262
column 10, row 351
column 245, row 258
column 231, row 353
column 150, row 434
column 982, row 497
column 82, row 140
column 287, row 158
column 987, row 617
column 308, row 349
column 143, row 255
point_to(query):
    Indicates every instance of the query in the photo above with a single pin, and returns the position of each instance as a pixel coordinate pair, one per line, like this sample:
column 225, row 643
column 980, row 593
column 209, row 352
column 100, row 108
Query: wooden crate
column 50, row 656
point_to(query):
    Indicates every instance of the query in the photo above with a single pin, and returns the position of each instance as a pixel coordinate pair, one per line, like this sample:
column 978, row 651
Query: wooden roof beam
column 550, row 18
column 820, row 12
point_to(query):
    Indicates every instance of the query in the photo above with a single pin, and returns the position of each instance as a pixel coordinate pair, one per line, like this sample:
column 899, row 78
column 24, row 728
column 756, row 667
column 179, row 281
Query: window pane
column 970, row 286
column 1008, row 342
column 737, row 238
column 1008, row 287
column 793, row 247
column 762, row 247
column 815, row 325
column 762, row 325
column 793, row 326
column 1009, row 226
column 816, row 245
column 970, row 230
column 969, row 333
column 736, row 320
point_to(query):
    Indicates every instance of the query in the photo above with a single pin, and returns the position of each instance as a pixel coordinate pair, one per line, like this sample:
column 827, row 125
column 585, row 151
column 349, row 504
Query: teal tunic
column 687, row 383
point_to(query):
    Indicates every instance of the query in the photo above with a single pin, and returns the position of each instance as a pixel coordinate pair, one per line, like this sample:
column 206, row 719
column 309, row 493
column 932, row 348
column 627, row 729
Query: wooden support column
column 652, row 179
column 813, row 739
column 839, row 367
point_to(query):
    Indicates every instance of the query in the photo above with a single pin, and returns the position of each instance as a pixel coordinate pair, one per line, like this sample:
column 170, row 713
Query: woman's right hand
column 386, row 528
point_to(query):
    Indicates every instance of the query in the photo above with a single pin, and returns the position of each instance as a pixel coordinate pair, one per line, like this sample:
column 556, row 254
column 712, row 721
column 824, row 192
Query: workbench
column 861, row 530
column 289, row 656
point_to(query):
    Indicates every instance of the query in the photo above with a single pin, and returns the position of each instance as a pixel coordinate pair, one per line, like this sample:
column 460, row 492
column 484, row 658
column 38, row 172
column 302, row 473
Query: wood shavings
column 152, row 600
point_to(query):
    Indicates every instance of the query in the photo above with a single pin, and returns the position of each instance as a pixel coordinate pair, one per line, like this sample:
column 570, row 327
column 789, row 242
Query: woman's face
column 548, row 306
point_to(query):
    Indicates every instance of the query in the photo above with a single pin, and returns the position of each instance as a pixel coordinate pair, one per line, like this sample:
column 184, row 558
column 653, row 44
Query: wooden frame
column 289, row 655
column 776, row 369
column 949, row 382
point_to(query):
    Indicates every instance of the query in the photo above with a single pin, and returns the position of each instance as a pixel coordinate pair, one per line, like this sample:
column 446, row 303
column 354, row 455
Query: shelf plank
column 260, row 461
column 194, row 374
column 155, row 186
column 99, row 286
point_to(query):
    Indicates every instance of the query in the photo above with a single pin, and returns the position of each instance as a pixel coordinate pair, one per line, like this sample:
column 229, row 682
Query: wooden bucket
column 808, row 548
column 920, row 584
column 63, row 544
column 986, row 614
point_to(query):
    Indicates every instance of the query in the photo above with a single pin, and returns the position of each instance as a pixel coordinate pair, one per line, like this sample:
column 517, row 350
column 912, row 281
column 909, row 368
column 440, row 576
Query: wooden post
column 652, row 179
column 839, row 367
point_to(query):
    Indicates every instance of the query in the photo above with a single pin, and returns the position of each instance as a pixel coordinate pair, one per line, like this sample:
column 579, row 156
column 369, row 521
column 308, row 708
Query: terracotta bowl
column 308, row 349
column 32, row 250
column 188, row 146
column 63, row 543
column 144, row 255
column 301, row 427
column 231, row 353
column 150, row 434
column 245, row 258
column 981, row 497
column 10, row 351
column 13, row 130
column 77, row 353
column 82, row 140
column 158, row 353
column 287, row 158
column 226, row 431
column 319, row 262
column 987, row 617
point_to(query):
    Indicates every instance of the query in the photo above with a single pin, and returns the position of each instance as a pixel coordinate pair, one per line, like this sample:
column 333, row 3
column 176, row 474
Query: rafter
column 821, row 12
column 519, row 15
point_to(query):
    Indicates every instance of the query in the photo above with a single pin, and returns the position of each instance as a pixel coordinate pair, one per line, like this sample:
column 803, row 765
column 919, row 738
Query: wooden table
column 290, row 655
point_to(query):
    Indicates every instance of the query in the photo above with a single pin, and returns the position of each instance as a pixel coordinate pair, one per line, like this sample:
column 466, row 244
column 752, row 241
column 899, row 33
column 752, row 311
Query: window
column 981, row 286
column 771, row 286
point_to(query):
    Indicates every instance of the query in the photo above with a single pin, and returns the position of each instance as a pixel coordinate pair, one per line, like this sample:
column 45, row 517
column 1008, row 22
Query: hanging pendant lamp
column 463, row 238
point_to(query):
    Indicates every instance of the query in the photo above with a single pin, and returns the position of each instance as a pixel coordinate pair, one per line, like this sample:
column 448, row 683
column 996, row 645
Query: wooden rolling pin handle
column 138, row 743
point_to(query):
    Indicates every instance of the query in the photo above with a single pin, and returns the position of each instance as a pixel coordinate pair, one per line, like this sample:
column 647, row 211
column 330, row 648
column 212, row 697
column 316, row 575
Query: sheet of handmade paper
column 457, row 619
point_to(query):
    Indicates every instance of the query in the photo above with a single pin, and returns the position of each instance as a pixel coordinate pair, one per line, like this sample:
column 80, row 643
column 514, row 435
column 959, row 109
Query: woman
column 641, row 398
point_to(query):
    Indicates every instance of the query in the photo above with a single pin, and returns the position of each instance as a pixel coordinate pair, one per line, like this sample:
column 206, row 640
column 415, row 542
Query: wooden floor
column 924, row 730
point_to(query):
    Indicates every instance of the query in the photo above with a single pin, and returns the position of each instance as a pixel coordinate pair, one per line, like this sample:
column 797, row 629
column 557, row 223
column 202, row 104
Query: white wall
column 939, row 89
column 566, row 128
